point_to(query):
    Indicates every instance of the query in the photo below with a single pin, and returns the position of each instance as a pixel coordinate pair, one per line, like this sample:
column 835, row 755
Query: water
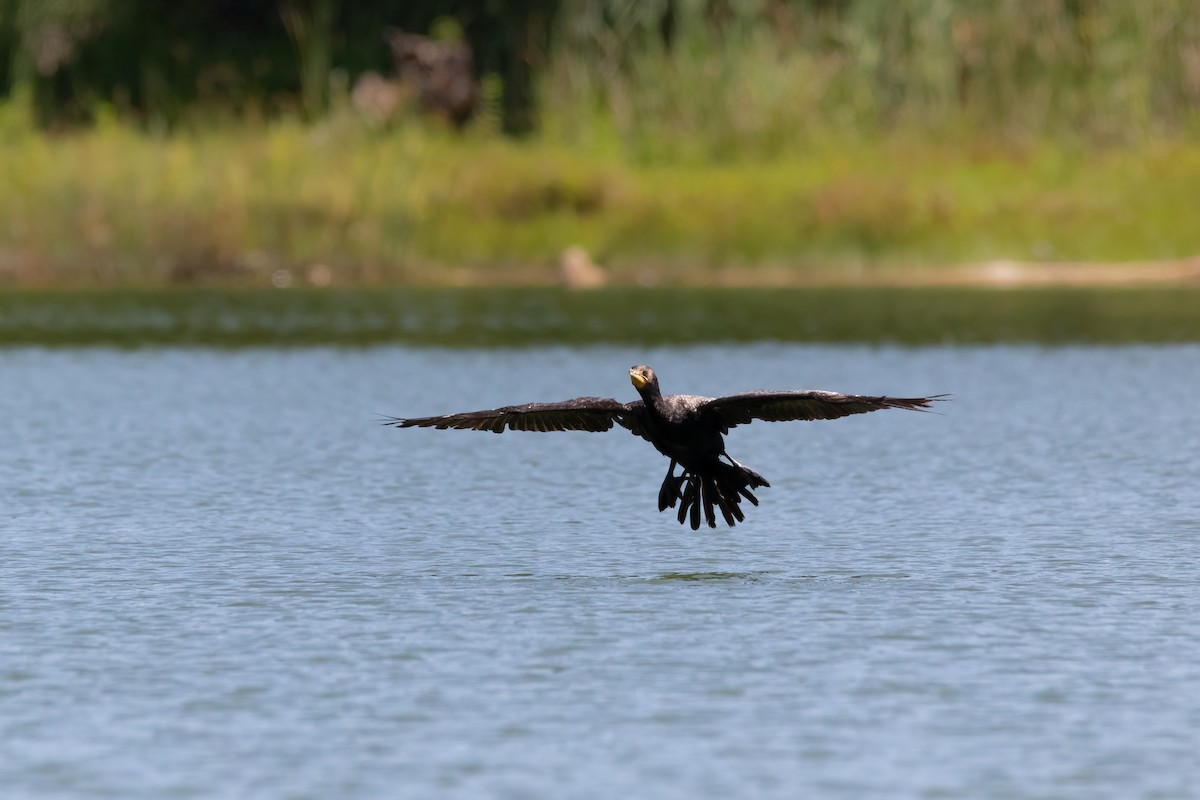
column 220, row 578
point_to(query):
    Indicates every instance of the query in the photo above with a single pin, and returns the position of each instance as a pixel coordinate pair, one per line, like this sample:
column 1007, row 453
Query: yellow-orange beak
column 638, row 379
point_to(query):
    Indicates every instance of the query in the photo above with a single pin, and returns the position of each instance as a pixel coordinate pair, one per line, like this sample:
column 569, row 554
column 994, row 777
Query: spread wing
column 580, row 414
column 739, row 409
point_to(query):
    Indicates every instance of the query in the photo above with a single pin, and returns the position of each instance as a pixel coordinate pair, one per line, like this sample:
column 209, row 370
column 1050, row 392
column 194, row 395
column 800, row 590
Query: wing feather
column 580, row 414
column 807, row 404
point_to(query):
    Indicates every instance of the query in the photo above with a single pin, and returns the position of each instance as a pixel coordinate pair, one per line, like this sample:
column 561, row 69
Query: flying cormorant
column 685, row 428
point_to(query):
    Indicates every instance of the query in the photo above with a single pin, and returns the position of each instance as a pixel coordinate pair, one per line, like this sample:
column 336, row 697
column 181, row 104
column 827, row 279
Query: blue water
column 219, row 577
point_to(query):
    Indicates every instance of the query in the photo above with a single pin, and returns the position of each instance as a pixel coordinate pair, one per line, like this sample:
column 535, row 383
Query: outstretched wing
column 739, row 409
column 580, row 414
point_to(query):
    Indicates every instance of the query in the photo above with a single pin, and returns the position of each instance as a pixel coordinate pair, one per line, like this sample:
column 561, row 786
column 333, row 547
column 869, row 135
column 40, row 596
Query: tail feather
column 720, row 488
column 669, row 494
column 694, row 500
column 708, row 492
column 688, row 498
column 729, row 511
column 753, row 478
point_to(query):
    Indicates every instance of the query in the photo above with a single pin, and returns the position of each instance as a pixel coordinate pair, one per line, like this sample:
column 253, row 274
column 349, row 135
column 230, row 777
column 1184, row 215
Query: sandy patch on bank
column 997, row 274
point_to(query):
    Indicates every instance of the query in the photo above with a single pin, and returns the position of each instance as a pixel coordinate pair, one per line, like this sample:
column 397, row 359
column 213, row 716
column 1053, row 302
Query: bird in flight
column 687, row 429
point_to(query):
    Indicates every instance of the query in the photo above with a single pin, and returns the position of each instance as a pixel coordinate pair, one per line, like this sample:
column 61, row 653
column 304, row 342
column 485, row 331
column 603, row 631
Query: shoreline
column 1004, row 274
column 997, row 274
column 553, row 315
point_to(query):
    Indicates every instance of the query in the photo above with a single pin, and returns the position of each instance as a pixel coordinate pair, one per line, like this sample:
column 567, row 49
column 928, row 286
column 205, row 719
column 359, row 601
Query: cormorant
column 685, row 428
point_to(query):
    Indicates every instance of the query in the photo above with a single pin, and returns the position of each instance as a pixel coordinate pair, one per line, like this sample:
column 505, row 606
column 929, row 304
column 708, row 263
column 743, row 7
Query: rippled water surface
column 220, row 577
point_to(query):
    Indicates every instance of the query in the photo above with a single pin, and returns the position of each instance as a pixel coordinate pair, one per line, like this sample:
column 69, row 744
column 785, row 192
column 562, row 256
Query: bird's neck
column 652, row 397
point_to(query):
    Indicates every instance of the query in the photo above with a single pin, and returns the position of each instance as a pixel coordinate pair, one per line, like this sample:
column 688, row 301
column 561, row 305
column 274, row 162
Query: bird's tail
column 719, row 487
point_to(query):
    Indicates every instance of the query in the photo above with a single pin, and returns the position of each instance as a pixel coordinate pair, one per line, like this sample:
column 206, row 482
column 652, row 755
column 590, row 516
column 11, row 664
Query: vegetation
column 339, row 204
column 679, row 140
column 505, row 317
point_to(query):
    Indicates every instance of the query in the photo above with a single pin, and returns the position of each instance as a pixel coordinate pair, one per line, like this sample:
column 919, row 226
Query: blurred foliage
column 166, row 63
column 117, row 205
column 719, row 78
column 760, row 78
column 204, row 141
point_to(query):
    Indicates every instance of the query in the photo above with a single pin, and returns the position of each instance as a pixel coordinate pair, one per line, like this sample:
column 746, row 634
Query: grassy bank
column 343, row 204
column 504, row 317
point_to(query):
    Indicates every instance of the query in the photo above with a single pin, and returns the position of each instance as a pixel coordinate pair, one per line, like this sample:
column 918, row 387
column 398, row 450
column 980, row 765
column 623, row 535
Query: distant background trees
column 161, row 60
column 762, row 68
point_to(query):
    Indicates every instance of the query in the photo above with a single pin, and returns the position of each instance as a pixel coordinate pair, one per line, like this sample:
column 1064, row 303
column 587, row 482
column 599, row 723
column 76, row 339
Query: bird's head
column 643, row 378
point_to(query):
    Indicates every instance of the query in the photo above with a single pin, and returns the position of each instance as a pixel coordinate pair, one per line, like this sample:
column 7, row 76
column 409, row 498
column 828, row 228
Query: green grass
column 238, row 204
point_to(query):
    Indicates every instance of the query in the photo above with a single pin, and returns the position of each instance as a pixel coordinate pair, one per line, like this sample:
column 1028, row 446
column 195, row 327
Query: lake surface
column 220, row 577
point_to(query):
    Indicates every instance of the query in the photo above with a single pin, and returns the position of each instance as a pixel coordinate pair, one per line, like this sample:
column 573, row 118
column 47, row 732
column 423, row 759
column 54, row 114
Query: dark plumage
column 687, row 429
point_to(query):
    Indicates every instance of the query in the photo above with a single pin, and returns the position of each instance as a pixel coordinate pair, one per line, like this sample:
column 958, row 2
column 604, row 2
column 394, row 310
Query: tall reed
column 754, row 78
